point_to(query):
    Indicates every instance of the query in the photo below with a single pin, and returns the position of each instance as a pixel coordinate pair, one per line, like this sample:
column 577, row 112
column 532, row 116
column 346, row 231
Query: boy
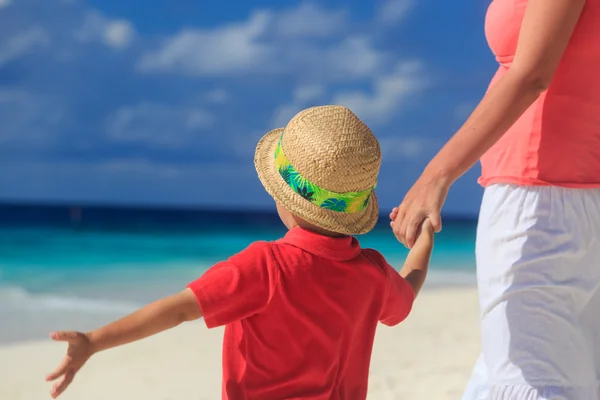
column 301, row 312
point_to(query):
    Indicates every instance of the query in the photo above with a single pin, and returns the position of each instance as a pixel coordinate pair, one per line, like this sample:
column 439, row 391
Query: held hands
column 423, row 201
column 78, row 352
column 425, row 233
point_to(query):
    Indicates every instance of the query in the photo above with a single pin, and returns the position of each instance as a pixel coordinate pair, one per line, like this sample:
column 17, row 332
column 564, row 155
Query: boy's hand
column 78, row 352
column 156, row 317
column 425, row 231
column 417, row 262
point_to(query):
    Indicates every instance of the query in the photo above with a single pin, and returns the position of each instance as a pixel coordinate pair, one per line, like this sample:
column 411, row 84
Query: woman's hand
column 424, row 200
column 78, row 352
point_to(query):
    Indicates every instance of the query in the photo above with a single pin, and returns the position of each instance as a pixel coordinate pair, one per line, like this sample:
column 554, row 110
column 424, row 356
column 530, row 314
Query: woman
column 537, row 133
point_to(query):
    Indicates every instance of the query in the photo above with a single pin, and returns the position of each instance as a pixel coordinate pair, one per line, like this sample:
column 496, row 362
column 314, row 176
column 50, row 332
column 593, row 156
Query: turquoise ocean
column 66, row 267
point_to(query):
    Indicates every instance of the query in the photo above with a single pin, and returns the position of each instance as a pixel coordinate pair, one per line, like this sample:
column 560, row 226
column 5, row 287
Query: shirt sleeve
column 237, row 288
column 398, row 302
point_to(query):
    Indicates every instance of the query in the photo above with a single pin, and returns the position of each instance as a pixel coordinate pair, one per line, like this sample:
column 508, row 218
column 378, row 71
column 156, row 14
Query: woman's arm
column 545, row 32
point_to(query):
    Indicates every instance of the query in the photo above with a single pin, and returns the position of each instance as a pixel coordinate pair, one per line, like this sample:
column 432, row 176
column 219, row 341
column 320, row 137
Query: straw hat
column 323, row 168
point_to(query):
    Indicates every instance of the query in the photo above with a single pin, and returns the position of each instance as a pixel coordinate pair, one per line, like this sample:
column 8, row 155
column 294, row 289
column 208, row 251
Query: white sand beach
column 428, row 357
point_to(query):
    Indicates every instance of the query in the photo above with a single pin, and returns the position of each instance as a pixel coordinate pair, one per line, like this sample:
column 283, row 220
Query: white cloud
column 5, row 3
column 303, row 96
column 224, row 50
column 393, row 11
column 354, row 57
column 283, row 114
column 388, row 94
column 217, row 96
column 269, row 43
column 309, row 20
column 22, row 43
column 158, row 124
column 406, row 148
column 118, row 33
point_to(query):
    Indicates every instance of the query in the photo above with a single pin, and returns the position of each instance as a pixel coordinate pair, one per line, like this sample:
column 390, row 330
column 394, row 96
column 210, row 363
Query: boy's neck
column 319, row 231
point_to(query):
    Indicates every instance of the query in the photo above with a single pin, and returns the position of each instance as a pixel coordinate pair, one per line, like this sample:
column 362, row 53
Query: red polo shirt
column 300, row 316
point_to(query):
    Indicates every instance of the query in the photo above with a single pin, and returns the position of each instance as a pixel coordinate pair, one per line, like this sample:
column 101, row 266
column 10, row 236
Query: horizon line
column 150, row 206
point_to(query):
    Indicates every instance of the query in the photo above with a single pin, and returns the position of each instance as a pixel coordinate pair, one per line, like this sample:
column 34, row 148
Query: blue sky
column 163, row 101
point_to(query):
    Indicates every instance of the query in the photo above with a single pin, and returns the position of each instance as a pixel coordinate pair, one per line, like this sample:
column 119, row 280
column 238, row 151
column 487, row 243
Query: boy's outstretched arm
column 154, row 318
column 417, row 262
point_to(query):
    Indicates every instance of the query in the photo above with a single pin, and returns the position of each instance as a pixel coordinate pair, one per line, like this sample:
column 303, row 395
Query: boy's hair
column 323, row 168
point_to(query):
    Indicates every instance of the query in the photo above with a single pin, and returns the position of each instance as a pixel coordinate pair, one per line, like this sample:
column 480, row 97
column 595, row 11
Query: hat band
column 350, row 202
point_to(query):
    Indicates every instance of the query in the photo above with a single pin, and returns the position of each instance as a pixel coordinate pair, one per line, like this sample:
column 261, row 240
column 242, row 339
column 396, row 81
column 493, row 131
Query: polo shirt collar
column 340, row 248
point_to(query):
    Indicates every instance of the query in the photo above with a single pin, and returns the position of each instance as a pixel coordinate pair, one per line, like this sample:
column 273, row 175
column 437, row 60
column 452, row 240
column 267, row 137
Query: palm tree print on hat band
column 349, row 202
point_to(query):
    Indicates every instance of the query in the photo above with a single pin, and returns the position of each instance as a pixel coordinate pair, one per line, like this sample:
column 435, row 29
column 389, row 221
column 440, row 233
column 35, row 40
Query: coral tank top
column 557, row 140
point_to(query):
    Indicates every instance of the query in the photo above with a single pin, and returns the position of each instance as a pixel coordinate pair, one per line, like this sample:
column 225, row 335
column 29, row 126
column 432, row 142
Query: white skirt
column 538, row 273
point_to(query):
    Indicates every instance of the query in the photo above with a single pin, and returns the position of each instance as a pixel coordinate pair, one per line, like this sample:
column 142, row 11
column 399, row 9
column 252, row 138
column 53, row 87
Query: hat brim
column 346, row 223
